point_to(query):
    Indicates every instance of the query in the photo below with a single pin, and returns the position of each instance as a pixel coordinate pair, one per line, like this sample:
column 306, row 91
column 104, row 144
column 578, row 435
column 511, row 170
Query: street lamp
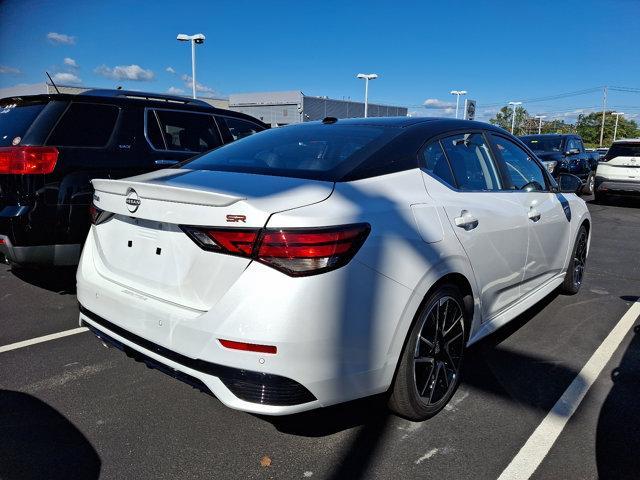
column 457, row 93
column 540, row 117
column 513, row 117
column 366, row 77
column 615, row 129
column 197, row 38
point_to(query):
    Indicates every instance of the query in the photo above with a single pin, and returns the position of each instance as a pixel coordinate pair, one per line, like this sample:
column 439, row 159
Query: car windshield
column 314, row 151
column 623, row 150
column 15, row 120
column 544, row 144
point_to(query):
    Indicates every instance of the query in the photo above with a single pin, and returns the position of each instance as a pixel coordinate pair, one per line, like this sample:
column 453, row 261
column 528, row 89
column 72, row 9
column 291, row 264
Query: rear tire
column 429, row 370
column 575, row 272
column 589, row 185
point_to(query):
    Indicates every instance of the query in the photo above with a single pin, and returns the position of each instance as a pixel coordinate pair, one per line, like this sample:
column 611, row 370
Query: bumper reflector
column 248, row 347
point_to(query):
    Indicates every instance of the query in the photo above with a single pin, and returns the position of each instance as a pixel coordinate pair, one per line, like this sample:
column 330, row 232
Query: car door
column 548, row 213
column 489, row 222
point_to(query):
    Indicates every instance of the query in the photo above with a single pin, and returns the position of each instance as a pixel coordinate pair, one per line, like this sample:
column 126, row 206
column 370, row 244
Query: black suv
column 52, row 146
column 564, row 154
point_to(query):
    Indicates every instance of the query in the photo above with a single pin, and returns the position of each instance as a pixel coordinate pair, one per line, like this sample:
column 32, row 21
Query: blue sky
column 496, row 50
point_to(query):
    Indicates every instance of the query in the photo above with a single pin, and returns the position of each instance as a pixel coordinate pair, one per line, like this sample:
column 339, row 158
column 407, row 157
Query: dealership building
column 284, row 108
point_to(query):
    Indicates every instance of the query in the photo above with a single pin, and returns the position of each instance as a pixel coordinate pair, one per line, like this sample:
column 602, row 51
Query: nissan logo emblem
column 132, row 201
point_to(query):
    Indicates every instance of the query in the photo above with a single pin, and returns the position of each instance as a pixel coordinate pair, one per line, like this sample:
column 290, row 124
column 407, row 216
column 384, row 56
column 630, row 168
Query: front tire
column 575, row 272
column 429, row 370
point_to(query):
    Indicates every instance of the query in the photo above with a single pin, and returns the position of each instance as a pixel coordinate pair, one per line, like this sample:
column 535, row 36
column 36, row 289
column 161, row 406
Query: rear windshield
column 313, row 151
column 543, row 144
column 15, row 120
column 623, row 150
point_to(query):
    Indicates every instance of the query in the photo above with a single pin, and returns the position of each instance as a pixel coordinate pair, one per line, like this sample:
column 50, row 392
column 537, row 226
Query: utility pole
column 604, row 108
column 615, row 129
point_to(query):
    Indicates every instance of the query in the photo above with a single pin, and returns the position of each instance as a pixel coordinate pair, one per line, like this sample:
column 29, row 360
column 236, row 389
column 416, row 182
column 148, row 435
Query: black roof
column 550, row 135
column 402, row 122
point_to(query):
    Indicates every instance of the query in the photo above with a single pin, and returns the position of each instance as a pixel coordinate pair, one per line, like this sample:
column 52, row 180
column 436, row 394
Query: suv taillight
column 27, row 160
column 297, row 252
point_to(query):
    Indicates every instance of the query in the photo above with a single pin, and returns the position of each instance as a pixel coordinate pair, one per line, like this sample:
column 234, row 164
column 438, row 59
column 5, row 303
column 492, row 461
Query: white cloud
column 126, row 72
column 170, row 70
column 188, row 82
column 61, row 38
column 9, row 70
column 437, row 103
column 70, row 62
column 175, row 91
column 66, row 77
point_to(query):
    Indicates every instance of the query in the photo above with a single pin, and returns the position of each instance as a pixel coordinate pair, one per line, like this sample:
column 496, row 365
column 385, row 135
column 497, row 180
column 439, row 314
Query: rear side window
column 435, row 162
column 240, row 128
column 15, row 120
column 85, row 125
column 183, row 131
column 471, row 162
column 623, row 150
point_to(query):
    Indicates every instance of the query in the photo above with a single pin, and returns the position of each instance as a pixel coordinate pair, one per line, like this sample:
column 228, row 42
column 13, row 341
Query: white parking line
column 533, row 452
column 45, row 338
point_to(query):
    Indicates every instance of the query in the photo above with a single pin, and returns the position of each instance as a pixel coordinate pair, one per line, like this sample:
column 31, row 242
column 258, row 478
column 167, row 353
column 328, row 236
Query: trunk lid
column 143, row 248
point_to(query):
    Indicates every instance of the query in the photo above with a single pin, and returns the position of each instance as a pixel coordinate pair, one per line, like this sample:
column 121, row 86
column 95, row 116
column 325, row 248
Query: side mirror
column 573, row 151
column 568, row 183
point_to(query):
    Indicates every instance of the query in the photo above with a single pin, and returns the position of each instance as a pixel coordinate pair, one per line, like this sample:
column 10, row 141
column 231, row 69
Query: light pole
column 457, row 93
column 366, row 77
column 540, row 117
column 197, row 38
column 513, row 117
column 615, row 129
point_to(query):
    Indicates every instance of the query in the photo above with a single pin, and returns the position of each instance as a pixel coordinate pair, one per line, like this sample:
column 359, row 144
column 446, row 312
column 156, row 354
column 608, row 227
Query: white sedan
column 318, row 263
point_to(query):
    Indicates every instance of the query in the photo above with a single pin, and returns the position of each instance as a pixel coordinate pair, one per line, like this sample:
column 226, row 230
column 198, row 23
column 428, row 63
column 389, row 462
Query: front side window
column 240, row 128
column 182, row 131
column 524, row 172
column 543, row 143
column 472, row 165
column 435, row 162
column 85, row 125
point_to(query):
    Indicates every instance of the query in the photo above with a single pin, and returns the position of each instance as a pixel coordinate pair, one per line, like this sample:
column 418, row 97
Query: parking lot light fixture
column 457, row 93
column 198, row 38
column 540, row 117
column 366, row 77
column 615, row 129
column 513, row 117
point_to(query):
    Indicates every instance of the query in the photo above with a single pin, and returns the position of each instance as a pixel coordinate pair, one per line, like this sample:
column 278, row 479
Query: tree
column 504, row 116
column 588, row 127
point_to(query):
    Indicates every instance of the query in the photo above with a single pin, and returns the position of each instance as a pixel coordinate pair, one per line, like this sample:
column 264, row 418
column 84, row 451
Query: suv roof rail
column 159, row 97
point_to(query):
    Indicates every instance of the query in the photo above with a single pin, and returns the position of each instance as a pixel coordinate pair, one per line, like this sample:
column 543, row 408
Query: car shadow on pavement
column 38, row 442
column 618, row 430
column 621, row 201
column 61, row 280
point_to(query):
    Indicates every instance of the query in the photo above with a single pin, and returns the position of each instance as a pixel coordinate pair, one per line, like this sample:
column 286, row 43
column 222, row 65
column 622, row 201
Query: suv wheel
column 589, row 185
column 429, row 369
column 575, row 271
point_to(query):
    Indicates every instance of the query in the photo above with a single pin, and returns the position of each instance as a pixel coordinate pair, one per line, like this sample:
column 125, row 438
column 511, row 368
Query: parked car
column 564, row 153
column 619, row 171
column 51, row 146
column 326, row 261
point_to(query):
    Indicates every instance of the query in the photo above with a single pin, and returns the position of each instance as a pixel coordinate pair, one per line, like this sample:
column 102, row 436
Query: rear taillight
column 296, row 252
column 97, row 215
column 27, row 160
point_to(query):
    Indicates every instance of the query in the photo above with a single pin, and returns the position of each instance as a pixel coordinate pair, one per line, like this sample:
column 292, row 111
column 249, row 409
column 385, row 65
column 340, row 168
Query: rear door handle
column 534, row 214
column 466, row 220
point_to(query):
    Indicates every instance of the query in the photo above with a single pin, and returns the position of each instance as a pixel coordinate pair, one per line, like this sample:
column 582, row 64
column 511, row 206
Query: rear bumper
column 42, row 255
column 617, row 187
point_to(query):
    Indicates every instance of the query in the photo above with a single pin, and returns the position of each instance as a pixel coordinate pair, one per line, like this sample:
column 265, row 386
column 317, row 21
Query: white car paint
column 340, row 333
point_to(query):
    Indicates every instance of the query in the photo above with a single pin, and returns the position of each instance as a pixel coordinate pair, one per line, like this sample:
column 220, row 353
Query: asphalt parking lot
column 70, row 408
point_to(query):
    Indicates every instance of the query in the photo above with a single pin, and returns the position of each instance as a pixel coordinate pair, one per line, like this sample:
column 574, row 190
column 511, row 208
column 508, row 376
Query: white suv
column 619, row 171
column 314, row 264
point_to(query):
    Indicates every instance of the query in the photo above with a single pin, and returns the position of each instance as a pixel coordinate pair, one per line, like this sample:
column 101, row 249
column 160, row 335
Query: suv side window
column 85, row 125
column 523, row 170
column 471, row 162
column 240, row 128
column 435, row 162
column 571, row 144
column 182, row 131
